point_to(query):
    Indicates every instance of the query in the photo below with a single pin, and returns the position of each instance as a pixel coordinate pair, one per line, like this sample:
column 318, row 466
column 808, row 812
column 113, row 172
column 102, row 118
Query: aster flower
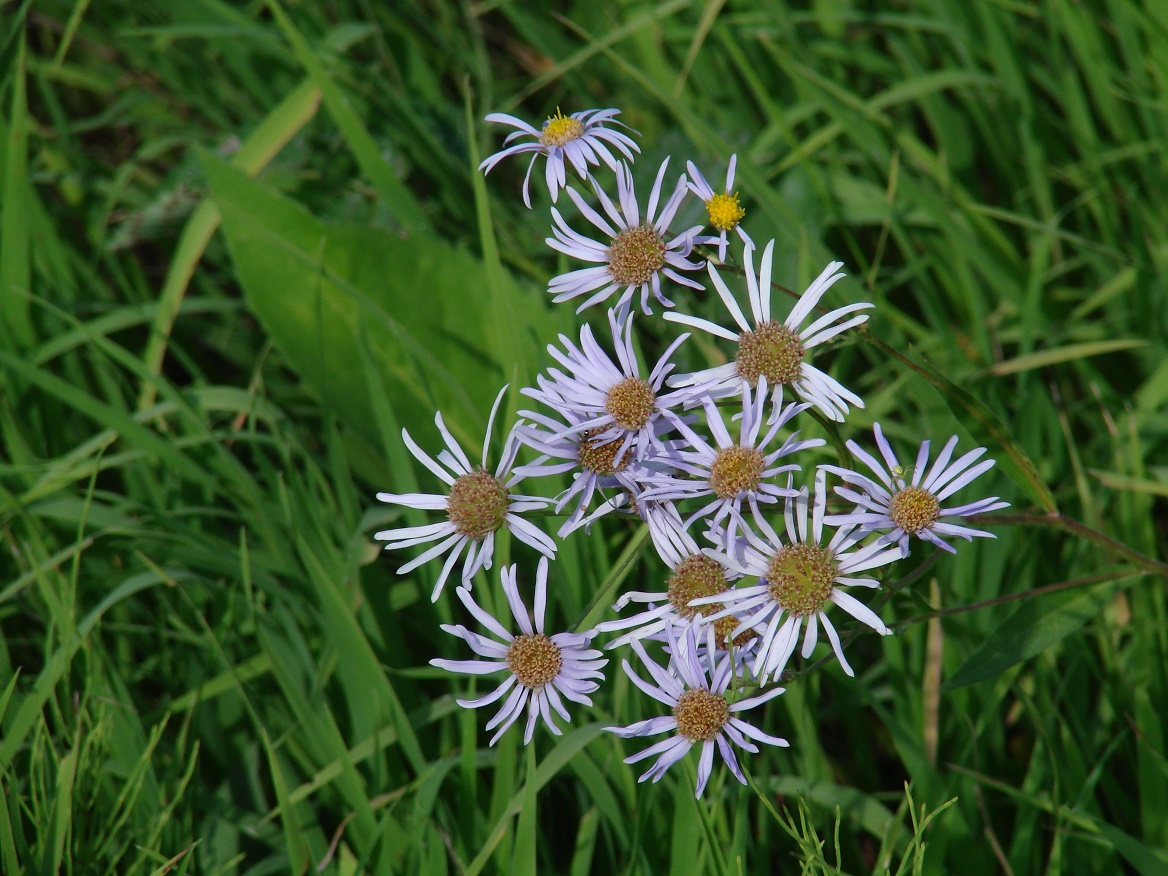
column 900, row 508
column 692, row 575
column 592, row 459
column 478, row 505
column 797, row 582
column 636, row 253
column 722, row 207
column 613, row 400
column 732, row 474
column 540, row 668
column 695, row 690
column 776, row 350
column 580, row 138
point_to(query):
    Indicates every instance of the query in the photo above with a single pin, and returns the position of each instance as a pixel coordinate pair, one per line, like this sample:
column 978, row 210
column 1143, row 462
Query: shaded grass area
column 241, row 246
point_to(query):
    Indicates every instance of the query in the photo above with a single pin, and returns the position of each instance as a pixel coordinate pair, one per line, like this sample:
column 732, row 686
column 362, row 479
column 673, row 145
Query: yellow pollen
column 725, row 213
column 561, row 129
column 631, row 403
column 600, row 458
column 914, row 509
column 477, row 504
column 801, row 577
column 773, row 351
column 635, row 255
column 701, row 715
column 535, row 660
column 736, row 470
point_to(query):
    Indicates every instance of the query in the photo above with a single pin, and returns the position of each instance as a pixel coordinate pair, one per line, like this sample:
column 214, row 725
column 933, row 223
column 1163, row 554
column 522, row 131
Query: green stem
column 1067, row 524
column 619, row 570
column 1115, row 575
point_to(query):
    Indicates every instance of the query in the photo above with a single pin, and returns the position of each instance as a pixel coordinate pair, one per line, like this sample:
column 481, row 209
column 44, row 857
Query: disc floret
column 772, row 350
column 599, row 456
column 914, row 509
column 477, row 504
column 631, row 403
column 801, row 577
column 724, row 211
column 559, row 130
column 701, row 715
column 735, row 470
column 535, row 660
column 635, row 255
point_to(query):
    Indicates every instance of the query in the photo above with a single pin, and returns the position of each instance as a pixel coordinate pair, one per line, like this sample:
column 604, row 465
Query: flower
column 692, row 574
column 900, row 508
column 580, row 138
column 478, row 505
column 776, row 350
column 540, row 668
column 635, row 256
column 614, row 403
column 594, row 460
column 797, row 581
column 733, row 473
column 722, row 207
column 701, row 711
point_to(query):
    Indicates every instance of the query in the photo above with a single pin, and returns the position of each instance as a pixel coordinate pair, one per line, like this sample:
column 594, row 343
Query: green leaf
column 15, row 260
column 1034, row 626
column 399, row 199
column 1069, row 353
column 418, row 305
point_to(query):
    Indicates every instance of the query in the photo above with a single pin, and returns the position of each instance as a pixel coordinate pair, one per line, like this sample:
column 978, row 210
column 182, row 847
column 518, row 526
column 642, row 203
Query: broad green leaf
column 268, row 138
column 1034, row 626
column 418, row 304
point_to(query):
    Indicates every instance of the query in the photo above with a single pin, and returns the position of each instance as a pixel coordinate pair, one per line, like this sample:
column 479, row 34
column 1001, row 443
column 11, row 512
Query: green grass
column 243, row 245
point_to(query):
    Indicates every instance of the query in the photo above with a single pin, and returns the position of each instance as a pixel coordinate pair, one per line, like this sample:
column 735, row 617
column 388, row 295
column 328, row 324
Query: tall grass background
column 243, row 245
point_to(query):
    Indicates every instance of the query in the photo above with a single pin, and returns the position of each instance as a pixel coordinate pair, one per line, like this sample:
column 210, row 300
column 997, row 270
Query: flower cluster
column 712, row 461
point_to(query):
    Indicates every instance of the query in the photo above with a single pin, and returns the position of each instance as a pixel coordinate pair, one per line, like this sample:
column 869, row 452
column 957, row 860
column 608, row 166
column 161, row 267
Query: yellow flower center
column 635, row 255
column 535, row 660
column 561, row 129
column 725, row 213
column 600, row 458
column 772, row 351
column 736, row 469
column 631, row 403
column 801, row 577
column 914, row 509
column 697, row 576
column 477, row 504
column 701, row 715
